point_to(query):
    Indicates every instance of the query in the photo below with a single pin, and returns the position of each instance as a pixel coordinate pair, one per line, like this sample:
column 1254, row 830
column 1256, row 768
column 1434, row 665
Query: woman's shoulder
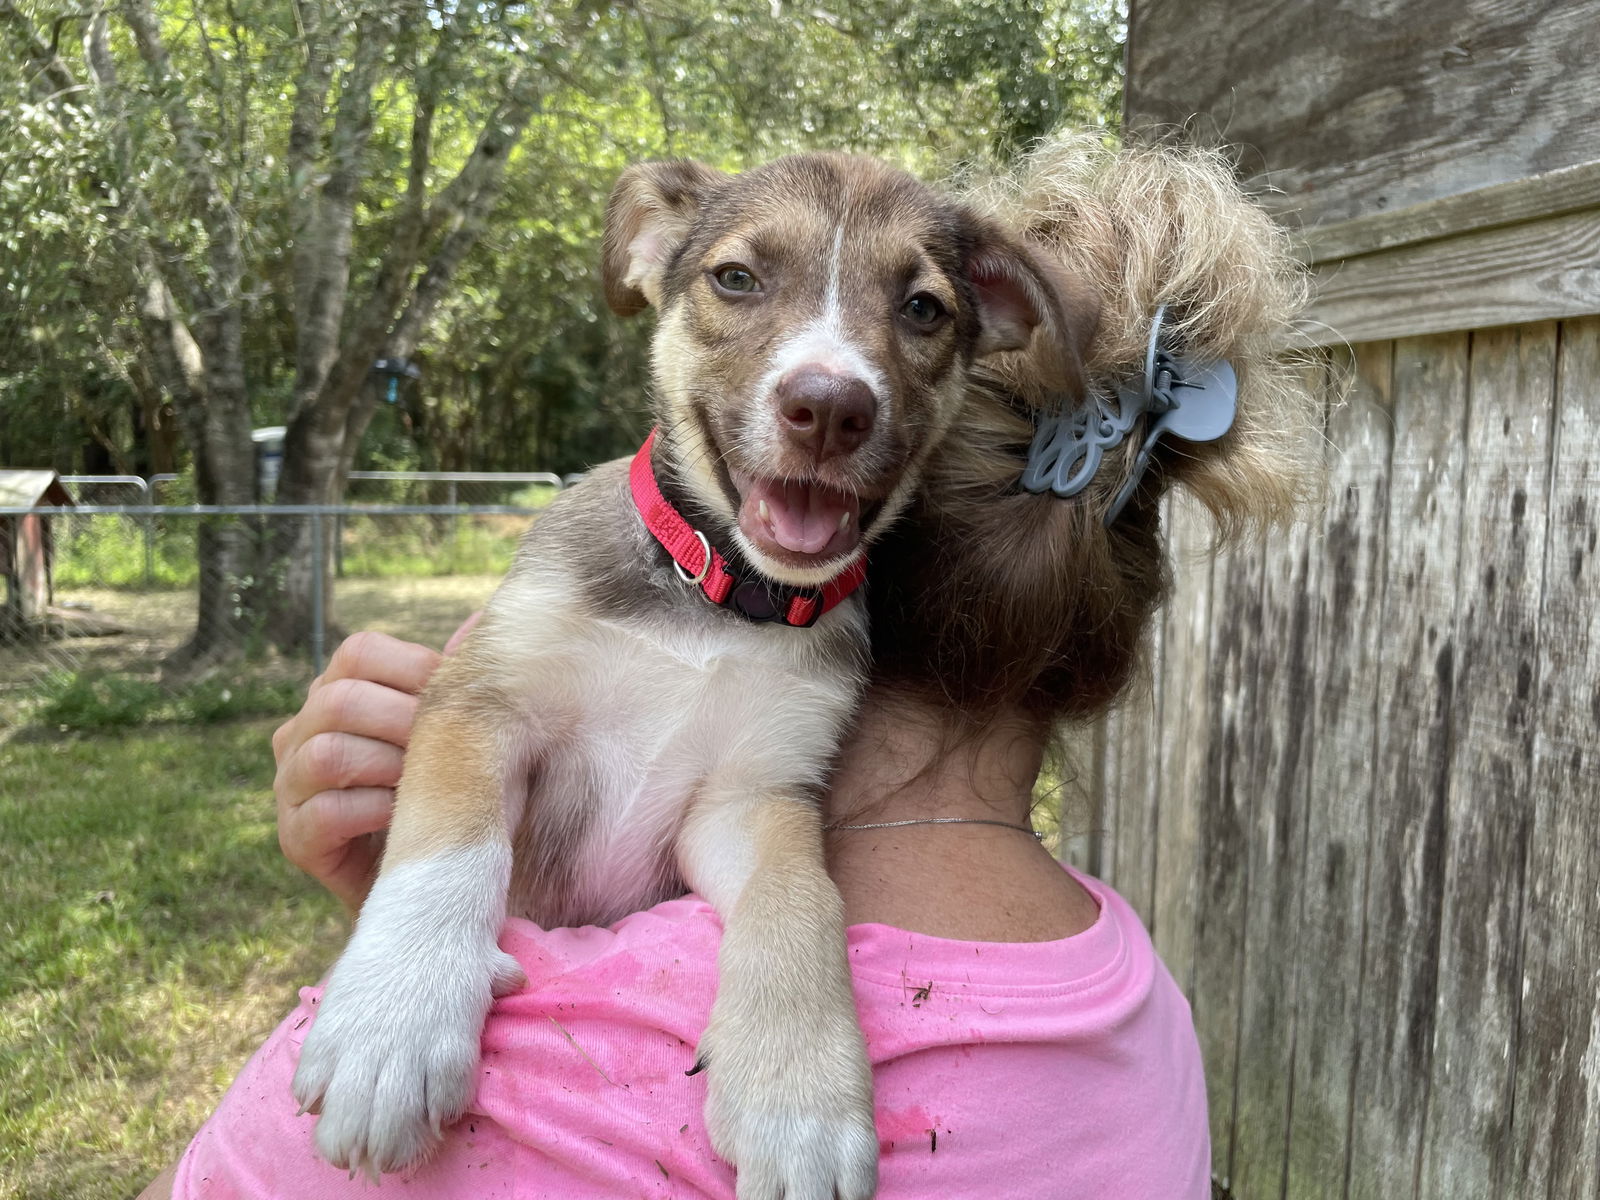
column 1113, row 946
column 665, row 957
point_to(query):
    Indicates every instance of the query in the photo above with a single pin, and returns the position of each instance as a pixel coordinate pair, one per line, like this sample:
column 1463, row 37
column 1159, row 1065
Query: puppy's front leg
column 393, row 1053
column 790, row 1088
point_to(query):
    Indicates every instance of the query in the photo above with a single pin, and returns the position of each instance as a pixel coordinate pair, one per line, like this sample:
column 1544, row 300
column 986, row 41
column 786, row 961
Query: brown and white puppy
column 607, row 735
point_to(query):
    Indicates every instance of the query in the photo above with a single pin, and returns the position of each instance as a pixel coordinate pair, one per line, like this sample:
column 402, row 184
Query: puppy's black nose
column 825, row 414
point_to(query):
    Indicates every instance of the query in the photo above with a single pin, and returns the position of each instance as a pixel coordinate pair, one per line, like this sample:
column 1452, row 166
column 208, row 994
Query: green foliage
column 523, row 367
column 73, row 700
column 89, row 700
column 153, row 934
column 380, row 548
column 109, row 552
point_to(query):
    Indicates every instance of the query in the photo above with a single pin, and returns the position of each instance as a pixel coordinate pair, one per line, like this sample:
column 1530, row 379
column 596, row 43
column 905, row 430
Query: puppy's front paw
column 792, row 1110
column 393, row 1053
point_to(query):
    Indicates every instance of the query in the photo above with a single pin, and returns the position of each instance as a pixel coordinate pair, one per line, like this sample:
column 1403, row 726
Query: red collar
column 699, row 562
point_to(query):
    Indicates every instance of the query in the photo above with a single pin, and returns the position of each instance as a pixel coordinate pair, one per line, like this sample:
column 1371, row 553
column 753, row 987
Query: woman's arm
column 160, row 1188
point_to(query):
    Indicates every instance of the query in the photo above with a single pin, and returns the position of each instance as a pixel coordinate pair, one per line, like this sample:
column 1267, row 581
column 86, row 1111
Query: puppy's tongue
column 803, row 518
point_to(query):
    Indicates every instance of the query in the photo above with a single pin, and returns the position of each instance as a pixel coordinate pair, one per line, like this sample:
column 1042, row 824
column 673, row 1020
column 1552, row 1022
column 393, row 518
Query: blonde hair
column 1033, row 600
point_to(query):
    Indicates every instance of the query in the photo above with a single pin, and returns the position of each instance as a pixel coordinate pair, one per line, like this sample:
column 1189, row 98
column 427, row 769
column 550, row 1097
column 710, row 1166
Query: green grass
column 151, row 936
column 412, row 547
column 93, row 700
column 110, row 551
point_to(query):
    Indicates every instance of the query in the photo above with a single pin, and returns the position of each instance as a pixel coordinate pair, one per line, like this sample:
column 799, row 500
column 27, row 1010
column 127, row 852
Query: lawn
column 151, row 935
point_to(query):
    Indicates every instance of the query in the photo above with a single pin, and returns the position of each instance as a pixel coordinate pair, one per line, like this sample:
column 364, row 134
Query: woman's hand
column 339, row 759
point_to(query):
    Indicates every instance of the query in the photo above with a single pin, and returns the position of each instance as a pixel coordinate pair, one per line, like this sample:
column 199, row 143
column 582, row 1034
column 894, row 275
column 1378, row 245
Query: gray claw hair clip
column 1193, row 401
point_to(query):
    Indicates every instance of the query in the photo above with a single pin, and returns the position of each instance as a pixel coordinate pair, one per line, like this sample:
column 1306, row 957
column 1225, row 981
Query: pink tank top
column 1047, row 1069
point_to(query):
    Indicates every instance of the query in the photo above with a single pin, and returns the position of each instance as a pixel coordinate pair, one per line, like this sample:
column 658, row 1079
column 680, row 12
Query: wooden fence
column 1359, row 800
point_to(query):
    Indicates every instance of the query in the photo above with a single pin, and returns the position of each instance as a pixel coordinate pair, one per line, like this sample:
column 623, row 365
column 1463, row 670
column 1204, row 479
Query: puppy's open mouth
column 801, row 523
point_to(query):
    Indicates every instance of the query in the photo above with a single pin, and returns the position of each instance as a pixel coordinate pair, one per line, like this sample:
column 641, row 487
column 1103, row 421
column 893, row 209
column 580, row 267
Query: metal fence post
column 318, row 634
column 149, row 524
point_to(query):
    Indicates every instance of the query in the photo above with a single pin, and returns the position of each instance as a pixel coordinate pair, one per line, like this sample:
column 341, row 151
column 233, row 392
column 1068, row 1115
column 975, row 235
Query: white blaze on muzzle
column 822, row 342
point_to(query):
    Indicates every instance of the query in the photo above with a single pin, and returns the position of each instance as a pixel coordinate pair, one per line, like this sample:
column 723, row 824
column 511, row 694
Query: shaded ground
column 155, row 623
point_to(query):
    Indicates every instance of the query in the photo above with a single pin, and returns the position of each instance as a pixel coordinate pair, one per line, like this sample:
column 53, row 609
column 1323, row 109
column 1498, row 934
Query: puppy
column 655, row 692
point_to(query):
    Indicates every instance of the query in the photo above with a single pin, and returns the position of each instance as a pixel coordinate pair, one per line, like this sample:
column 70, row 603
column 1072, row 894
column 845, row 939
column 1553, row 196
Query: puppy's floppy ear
column 1026, row 302
column 651, row 210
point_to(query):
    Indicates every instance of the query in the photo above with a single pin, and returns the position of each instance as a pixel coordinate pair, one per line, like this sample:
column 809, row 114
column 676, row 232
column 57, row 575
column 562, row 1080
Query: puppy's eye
column 737, row 279
column 923, row 311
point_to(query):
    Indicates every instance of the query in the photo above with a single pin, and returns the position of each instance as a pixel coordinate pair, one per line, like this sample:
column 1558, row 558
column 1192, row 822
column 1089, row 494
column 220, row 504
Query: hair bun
column 994, row 597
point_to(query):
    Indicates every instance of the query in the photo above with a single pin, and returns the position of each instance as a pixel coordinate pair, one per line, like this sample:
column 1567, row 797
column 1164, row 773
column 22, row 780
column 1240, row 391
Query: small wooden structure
column 26, row 551
column 1360, row 803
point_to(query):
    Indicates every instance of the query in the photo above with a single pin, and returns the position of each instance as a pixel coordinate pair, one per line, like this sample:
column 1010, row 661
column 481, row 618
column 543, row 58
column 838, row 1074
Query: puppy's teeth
column 844, row 519
column 765, row 515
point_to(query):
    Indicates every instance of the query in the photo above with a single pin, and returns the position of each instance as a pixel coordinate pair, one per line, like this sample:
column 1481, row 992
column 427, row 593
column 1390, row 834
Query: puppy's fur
column 606, row 736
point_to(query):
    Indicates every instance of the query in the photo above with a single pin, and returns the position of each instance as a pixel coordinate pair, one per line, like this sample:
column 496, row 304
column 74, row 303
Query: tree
column 188, row 237
column 223, row 211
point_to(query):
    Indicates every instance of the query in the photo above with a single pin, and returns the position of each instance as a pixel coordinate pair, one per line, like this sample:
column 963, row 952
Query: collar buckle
column 758, row 601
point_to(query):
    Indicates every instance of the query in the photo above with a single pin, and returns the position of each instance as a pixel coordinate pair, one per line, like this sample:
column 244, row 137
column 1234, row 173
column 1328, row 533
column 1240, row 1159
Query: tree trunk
column 311, row 455
column 225, row 474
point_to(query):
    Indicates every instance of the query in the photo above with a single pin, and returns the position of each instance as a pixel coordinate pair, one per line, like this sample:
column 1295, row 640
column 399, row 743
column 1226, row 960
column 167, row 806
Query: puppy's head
column 817, row 318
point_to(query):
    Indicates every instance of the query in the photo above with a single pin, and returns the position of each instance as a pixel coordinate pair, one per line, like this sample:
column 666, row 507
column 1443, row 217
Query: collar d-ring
column 705, row 563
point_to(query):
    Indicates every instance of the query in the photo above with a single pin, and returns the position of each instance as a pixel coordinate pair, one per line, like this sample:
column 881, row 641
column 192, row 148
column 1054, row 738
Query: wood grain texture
column 1568, row 189
column 1348, row 646
column 1185, row 721
column 1132, row 782
column 1556, row 1133
column 1224, row 834
column 1358, row 106
column 1077, row 801
column 1492, row 713
column 1416, row 685
column 1538, row 270
column 1285, row 713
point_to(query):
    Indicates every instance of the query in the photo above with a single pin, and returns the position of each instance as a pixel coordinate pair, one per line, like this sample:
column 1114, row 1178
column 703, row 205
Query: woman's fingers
column 382, row 659
column 343, row 814
column 356, row 706
column 331, row 761
column 336, row 837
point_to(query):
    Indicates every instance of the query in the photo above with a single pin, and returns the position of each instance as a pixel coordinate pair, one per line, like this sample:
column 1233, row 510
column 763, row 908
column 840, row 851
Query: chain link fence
column 155, row 612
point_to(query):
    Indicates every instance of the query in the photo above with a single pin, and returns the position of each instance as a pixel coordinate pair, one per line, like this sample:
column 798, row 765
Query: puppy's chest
column 642, row 713
column 646, row 705
column 664, row 702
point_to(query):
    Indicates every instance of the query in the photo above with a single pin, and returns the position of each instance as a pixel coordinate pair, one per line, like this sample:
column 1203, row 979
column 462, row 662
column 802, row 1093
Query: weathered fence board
column 1353, row 533
column 1365, row 105
column 1416, row 682
column 1185, row 717
column 1492, row 715
column 1556, row 1142
column 1531, row 271
column 1133, row 773
column 1224, row 833
column 1376, row 789
column 1396, row 939
column 1283, row 752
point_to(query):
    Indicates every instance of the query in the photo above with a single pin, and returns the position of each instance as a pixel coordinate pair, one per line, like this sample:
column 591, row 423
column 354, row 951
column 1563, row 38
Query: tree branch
column 52, row 75
column 222, row 230
column 324, row 239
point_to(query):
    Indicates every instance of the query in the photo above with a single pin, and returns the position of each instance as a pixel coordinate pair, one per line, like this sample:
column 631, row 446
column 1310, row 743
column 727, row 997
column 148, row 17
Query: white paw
column 793, row 1112
column 393, row 1053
